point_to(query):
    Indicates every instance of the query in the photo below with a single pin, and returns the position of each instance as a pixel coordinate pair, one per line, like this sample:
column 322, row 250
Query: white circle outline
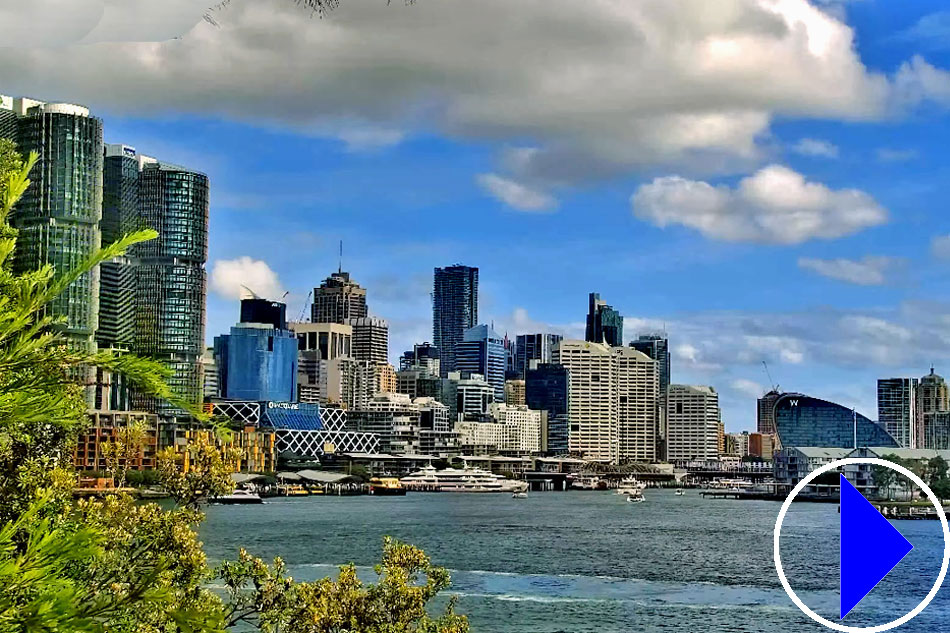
column 860, row 629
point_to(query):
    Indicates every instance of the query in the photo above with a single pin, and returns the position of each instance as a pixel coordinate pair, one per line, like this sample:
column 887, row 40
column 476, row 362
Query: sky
column 765, row 180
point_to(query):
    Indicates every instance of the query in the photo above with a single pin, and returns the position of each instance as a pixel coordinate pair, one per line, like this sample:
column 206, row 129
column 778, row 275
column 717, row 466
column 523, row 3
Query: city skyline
column 831, row 311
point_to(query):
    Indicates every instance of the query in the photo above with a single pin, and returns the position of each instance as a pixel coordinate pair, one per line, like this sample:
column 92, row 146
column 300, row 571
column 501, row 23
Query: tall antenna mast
column 340, row 269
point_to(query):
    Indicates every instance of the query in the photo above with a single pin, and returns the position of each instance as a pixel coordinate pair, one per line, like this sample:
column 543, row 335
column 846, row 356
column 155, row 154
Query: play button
column 870, row 547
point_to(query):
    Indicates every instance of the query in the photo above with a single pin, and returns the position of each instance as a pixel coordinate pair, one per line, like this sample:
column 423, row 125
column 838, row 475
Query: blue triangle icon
column 870, row 547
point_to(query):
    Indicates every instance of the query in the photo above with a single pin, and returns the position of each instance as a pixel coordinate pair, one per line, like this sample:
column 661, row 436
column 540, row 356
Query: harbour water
column 578, row 562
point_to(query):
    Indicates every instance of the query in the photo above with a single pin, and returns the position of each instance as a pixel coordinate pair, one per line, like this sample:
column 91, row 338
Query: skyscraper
column 58, row 216
column 370, row 339
column 534, row 347
column 692, row 422
column 657, row 347
column 932, row 397
column 604, row 324
column 765, row 414
column 170, row 277
column 896, row 409
column 422, row 357
column 338, row 300
column 612, row 401
column 454, row 310
column 546, row 389
column 482, row 351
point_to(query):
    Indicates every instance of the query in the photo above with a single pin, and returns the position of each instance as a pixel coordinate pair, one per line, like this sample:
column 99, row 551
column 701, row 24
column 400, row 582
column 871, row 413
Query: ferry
column 680, row 492
column 630, row 486
column 588, row 482
column 636, row 497
column 386, row 486
column 238, row 497
column 460, row 480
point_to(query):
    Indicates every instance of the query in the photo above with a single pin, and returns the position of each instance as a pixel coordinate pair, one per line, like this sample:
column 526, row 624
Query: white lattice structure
column 239, row 411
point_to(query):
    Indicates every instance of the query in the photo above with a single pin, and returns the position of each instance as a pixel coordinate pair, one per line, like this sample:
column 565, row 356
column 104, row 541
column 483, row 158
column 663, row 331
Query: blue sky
column 564, row 154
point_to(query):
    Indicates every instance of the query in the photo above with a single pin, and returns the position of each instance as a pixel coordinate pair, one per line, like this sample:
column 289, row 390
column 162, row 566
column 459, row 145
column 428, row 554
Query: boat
column 519, row 495
column 586, row 482
column 238, row 497
column 460, row 480
column 630, row 486
column 386, row 486
column 636, row 498
column 680, row 492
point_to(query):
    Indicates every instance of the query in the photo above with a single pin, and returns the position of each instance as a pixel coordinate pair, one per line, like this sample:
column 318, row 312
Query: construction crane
column 769, row 374
column 303, row 310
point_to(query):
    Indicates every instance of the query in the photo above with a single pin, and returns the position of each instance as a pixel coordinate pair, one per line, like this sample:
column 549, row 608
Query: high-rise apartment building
column 932, row 397
column 454, row 310
column 170, row 278
column 765, row 413
column 896, row 409
column 604, row 324
column 692, row 418
column 58, row 217
column 612, row 401
column 338, row 300
column 370, row 339
column 534, row 347
column 482, row 351
column 547, row 387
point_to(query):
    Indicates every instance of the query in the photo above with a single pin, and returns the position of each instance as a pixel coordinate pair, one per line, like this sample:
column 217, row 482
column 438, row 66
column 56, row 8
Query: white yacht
column 460, row 480
column 630, row 486
column 238, row 497
column 636, row 497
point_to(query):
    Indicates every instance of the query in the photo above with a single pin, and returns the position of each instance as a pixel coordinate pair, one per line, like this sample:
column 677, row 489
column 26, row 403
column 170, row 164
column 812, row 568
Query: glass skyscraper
column 896, row 409
column 58, row 216
column 546, row 389
column 657, row 347
column 805, row 421
column 534, row 347
column 170, row 276
column 604, row 324
column 482, row 351
column 454, row 310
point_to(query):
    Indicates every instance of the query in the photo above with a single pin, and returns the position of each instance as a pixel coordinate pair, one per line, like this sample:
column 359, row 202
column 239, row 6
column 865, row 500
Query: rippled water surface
column 590, row 562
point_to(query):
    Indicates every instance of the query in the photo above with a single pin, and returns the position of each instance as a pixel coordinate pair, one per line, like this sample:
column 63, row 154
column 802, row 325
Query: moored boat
column 460, row 480
column 386, row 486
column 238, row 497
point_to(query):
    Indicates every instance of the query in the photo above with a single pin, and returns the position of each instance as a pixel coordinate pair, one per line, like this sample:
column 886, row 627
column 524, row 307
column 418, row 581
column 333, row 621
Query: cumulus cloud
column 570, row 83
column 932, row 31
column 515, row 194
column 815, row 147
column 774, row 205
column 238, row 278
column 868, row 271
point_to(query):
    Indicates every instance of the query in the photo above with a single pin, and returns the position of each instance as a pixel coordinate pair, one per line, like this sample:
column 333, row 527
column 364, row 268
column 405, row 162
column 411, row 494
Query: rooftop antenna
column 340, row 269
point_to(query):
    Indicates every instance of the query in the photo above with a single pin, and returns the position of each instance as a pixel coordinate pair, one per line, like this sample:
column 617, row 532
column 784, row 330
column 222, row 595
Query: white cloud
column 888, row 155
column 868, row 271
column 238, row 278
column 940, row 246
column 919, row 81
column 516, row 195
column 368, row 139
column 571, row 84
column 748, row 387
column 774, row 205
column 815, row 147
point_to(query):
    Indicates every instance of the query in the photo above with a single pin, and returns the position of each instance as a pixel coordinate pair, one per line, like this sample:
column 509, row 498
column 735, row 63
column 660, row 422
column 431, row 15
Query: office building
column 762, row 445
column 613, row 395
column 418, row 384
column 482, row 351
column 534, row 347
column 351, row 383
column 317, row 345
column 370, row 339
column 120, row 208
column 515, row 431
column 514, row 392
column 896, row 409
column 692, row 418
column 547, row 388
column 801, row 420
column 384, row 377
column 765, row 412
column 935, row 431
column 657, row 347
column 604, row 324
column 209, row 370
column 258, row 359
column 170, row 278
column 454, row 310
column 423, row 357
column 58, row 217
column 466, row 394
column 338, row 300
column 932, row 397
column 736, row 444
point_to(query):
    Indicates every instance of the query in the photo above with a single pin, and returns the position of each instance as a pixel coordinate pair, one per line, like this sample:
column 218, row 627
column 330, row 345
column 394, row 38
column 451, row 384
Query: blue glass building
column 604, row 324
column 801, row 420
column 258, row 359
column 454, row 310
column 547, row 389
column 482, row 351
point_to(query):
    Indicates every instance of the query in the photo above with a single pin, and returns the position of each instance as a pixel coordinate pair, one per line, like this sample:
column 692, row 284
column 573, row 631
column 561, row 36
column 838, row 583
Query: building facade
column 466, row 394
column 422, row 357
column 338, row 300
column 370, row 339
column 693, row 418
column 765, row 412
column 538, row 348
column 104, row 427
column 547, row 388
column 801, row 420
column 317, row 345
column 454, row 310
column 932, row 397
column 604, row 324
column 897, row 409
column 514, row 392
column 482, row 351
column 170, row 278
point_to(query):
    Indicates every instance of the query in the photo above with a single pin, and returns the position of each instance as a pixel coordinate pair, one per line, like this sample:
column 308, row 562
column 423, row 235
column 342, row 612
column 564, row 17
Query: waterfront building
column 58, row 217
column 932, row 397
column 794, row 463
column 801, row 420
column 370, row 339
column 317, row 345
column 170, row 278
column 406, row 426
column 338, row 299
column 422, row 357
column 255, row 448
column 862, row 476
column 604, row 324
column 466, row 394
column 534, row 347
column 547, row 388
column 513, row 431
column 454, row 310
column 613, row 396
column 105, row 426
column 765, row 412
column 258, row 359
column 896, row 409
column 482, row 351
column 514, row 392
column 692, row 418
